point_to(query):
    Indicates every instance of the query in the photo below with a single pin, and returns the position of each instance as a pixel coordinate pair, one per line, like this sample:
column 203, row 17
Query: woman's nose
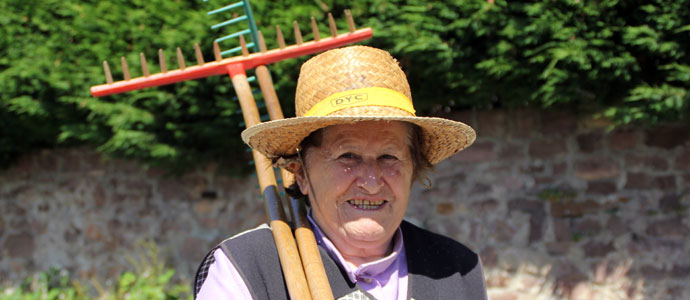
column 370, row 176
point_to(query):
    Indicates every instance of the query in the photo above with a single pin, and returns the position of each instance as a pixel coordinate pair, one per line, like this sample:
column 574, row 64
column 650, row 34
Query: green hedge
column 627, row 60
column 151, row 280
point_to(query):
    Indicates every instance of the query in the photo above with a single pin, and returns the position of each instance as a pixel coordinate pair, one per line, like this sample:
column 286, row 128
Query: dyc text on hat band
column 371, row 96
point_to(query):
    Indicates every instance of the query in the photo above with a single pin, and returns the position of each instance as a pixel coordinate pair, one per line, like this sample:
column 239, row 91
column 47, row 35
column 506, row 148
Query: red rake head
column 224, row 66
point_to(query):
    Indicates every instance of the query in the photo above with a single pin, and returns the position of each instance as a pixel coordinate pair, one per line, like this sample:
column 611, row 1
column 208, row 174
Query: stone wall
column 558, row 208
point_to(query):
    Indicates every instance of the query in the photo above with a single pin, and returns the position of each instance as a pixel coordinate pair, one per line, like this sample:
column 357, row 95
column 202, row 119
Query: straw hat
column 349, row 85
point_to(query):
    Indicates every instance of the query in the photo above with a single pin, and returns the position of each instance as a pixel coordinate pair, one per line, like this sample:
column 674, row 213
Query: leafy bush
column 151, row 281
column 626, row 60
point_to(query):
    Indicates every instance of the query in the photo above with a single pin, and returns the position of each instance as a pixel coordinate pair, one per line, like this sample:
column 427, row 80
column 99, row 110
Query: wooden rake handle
column 308, row 250
column 282, row 233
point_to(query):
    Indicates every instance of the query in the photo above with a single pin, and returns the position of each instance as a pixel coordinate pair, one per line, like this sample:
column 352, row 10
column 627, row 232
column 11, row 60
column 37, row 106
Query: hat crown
column 346, row 69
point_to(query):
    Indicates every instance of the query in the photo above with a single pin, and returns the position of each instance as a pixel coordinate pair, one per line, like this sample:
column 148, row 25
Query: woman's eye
column 347, row 155
column 388, row 157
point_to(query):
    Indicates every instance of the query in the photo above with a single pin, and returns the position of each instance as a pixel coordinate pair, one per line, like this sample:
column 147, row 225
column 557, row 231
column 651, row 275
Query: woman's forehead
column 379, row 130
column 366, row 128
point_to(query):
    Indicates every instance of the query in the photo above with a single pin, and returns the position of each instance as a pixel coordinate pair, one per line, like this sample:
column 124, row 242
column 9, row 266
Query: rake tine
column 125, row 68
column 199, row 56
column 315, row 29
column 216, row 51
column 262, row 42
column 243, row 45
column 144, row 65
column 106, row 70
column 161, row 61
column 331, row 24
column 298, row 33
column 350, row 21
column 280, row 38
column 180, row 59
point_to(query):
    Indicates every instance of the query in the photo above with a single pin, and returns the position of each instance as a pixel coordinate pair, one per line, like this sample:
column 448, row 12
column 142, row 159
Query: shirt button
column 367, row 280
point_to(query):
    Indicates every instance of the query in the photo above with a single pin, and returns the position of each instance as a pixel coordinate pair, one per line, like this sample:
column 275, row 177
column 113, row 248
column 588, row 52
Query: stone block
column 637, row 181
column 567, row 275
column 491, row 123
column 209, row 222
column 533, row 169
column 172, row 189
column 572, row 209
column 596, row 168
column 46, row 162
column 502, row 231
column 445, row 208
column 193, row 247
column 657, row 273
column 24, row 165
column 544, row 180
column 72, row 234
column 682, row 162
column 666, row 182
column 586, row 227
column 479, row 152
column 558, row 248
column 622, row 139
column 561, row 229
column 672, row 228
column 480, row 189
column 657, row 163
column 202, row 207
column 512, row 151
column 601, row 187
column 671, row 203
column 94, row 233
column 99, row 196
column 20, row 245
column 524, row 123
column 590, row 142
column 616, row 226
column 537, row 214
column 558, row 123
column 484, row 206
column 598, row 249
column 71, row 161
column 667, row 137
column 559, row 169
column 547, row 148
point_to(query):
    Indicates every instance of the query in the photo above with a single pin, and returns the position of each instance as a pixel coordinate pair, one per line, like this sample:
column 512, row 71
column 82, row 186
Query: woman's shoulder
column 432, row 239
column 425, row 249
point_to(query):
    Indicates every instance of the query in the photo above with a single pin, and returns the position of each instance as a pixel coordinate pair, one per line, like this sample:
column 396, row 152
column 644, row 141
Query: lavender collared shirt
column 385, row 278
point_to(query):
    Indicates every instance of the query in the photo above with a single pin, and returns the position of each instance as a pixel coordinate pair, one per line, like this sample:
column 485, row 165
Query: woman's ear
column 302, row 181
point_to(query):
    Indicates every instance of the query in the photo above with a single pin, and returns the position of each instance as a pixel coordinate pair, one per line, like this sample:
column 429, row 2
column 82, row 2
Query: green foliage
column 626, row 60
column 151, row 281
column 51, row 52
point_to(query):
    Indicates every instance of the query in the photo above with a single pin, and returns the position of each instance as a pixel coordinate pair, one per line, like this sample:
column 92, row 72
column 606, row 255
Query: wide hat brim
column 281, row 138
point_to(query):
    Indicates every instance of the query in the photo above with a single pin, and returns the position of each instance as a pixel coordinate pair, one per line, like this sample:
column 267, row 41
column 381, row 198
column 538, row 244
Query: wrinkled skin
column 365, row 161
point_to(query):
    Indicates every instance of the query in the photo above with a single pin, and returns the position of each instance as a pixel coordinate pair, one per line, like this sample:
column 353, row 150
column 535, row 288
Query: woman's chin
column 365, row 230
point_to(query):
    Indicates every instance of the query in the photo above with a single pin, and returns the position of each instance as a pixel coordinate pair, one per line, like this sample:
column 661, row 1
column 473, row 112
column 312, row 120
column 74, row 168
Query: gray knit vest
column 438, row 267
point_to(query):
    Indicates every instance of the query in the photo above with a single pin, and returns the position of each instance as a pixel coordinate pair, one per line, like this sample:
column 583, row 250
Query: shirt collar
column 367, row 270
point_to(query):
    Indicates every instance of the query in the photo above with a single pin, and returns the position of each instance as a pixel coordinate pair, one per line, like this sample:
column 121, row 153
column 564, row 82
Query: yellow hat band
column 371, row 96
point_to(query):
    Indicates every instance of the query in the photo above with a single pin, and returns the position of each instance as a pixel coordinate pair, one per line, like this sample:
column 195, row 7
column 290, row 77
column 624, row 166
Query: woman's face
column 359, row 182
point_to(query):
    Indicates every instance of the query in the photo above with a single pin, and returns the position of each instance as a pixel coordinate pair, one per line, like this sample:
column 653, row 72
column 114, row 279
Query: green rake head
column 247, row 17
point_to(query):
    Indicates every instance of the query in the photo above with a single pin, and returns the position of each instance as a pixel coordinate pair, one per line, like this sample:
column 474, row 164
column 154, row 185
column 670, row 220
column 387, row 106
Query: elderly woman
column 355, row 148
